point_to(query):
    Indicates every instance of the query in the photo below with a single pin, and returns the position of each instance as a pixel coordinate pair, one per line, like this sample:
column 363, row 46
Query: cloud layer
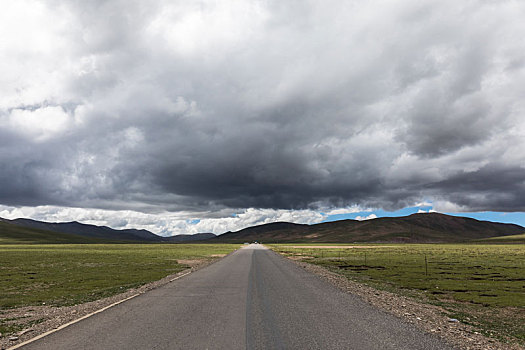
column 206, row 107
column 165, row 224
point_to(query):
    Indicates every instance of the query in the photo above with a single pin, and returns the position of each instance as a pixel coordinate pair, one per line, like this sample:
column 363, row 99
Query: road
column 251, row 299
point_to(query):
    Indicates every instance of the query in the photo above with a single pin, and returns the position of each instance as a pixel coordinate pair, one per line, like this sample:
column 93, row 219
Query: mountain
column 275, row 230
column 415, row 228
column 92, row 231
column 11, row 233
column 75, row 232
column 189, row 238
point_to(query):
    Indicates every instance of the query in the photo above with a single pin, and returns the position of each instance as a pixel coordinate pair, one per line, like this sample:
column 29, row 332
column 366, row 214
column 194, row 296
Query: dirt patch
column 339, row 246
column 429, row 318
column 35, row 320
column 189, row 262
column 299, row 258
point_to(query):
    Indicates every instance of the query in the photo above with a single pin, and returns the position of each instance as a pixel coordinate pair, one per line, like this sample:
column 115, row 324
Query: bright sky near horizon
column 207, row 116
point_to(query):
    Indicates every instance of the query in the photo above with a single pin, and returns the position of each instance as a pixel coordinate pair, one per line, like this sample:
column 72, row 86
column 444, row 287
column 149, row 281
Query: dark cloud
column 496, row 186
column 284, row 105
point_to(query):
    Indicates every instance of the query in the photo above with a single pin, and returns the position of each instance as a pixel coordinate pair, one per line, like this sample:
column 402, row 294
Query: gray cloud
column 208, row 106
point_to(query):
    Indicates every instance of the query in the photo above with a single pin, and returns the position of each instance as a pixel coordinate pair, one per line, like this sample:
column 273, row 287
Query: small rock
column 418, row 318
column 452, row 320
column 13, row 338
column 25, row 331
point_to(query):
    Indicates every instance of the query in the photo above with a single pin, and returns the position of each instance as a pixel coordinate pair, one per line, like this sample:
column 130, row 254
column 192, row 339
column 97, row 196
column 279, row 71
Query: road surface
column 252, row 299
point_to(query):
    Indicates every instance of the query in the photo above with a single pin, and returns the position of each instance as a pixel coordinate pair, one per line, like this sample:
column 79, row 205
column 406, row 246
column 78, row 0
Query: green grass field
column 506, row 239
column 482, row 285
column 69, row 274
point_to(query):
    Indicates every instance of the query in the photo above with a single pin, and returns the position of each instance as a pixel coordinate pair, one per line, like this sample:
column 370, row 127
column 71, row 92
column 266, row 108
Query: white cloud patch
column 40, row 124
column 444, row 206
column 362, row 218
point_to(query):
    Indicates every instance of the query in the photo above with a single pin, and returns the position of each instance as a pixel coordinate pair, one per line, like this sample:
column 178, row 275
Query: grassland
column 518, row 239
column 482, row 285
column 67, row 274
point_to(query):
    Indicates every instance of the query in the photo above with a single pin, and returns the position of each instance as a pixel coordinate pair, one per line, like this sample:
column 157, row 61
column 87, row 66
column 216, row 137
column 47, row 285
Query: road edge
column 138, row 291
column 457, row 334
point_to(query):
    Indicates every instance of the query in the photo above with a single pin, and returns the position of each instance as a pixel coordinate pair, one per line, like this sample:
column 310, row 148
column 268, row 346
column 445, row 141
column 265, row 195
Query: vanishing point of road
column 251, row 299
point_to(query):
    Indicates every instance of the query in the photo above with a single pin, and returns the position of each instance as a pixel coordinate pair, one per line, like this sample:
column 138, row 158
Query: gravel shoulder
column 429, row 318
column 41, row 319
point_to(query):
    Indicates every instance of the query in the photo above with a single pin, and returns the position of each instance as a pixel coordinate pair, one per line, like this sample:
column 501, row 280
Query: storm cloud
column 206, row 107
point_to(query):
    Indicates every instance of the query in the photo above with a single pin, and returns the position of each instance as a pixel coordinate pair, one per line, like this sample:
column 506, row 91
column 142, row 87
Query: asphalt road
column 252, row 299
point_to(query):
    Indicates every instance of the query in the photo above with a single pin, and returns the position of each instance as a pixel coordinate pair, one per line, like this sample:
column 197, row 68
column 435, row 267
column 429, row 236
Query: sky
column 210, row 116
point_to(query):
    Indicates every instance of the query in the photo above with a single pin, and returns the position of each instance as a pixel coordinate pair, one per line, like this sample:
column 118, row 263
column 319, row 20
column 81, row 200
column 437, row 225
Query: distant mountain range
column 75, row 231
column 416, row 228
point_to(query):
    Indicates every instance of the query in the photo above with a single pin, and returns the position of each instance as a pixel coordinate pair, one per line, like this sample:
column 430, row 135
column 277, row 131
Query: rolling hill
column 15, row 234
column 415, row 228
column 91, row 231
column 189, row 238
column 33, row 231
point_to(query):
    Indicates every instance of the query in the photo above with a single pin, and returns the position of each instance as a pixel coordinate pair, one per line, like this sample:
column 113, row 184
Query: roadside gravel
column 429, row 318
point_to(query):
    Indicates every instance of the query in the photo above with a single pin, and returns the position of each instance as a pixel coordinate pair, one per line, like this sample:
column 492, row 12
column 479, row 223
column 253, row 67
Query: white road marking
column 84, row 317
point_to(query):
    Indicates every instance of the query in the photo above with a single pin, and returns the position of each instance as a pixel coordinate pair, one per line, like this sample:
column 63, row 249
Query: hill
column 415, row 228
column 15, row 234
column 92, row 231
column 189, row 238
column 33, row 231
